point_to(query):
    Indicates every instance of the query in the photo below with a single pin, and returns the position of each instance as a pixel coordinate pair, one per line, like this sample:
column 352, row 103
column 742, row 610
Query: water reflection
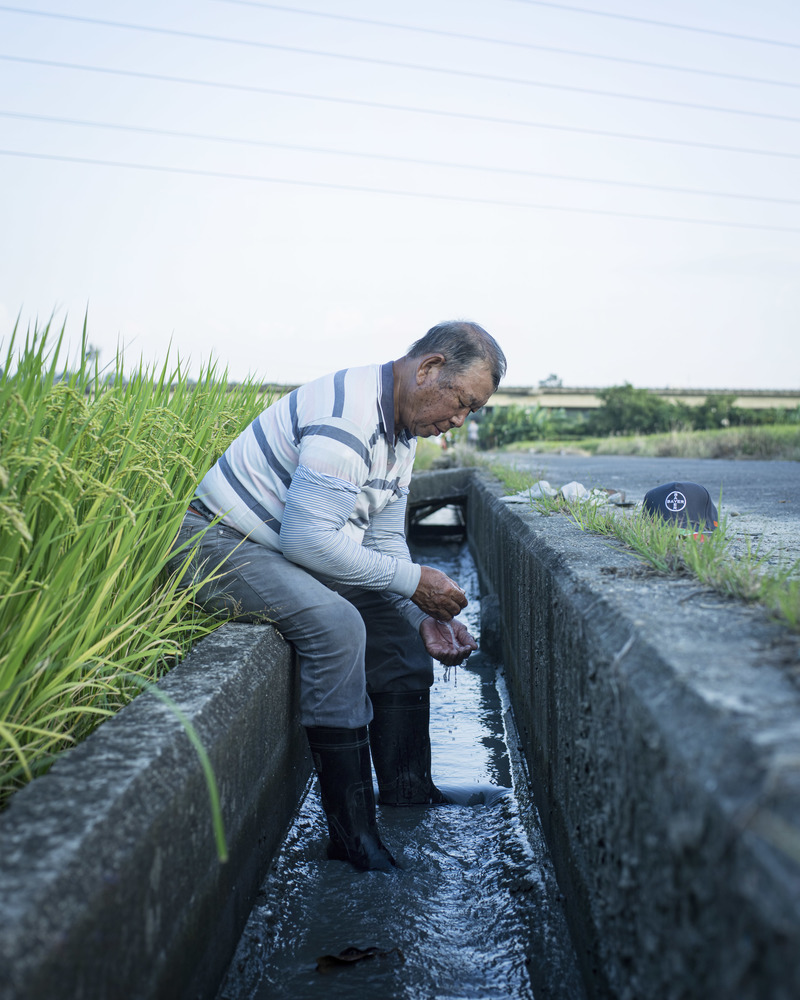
column 475, row 910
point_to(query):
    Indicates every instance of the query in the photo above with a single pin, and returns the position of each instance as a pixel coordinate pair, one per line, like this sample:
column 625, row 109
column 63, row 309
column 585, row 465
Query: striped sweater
column 319, row 477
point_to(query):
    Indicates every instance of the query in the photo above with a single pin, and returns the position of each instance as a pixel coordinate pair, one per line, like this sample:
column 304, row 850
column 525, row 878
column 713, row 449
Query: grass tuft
column 747, row 575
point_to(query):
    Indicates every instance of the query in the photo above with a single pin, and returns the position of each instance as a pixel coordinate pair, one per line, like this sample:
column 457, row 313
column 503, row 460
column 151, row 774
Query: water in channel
column 474, row 912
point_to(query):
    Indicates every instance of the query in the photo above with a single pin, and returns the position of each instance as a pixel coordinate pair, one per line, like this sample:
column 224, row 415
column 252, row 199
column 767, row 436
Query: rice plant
column 96, row 470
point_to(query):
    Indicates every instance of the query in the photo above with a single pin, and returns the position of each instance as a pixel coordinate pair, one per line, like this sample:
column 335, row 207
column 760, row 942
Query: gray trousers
column 349, row 642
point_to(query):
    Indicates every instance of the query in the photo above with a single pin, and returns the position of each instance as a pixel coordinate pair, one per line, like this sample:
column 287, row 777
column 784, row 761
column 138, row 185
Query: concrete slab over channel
column 661, row 724
column 110, row 884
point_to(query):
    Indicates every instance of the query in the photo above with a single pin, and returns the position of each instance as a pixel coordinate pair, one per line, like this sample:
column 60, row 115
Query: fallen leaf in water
column 349, row 955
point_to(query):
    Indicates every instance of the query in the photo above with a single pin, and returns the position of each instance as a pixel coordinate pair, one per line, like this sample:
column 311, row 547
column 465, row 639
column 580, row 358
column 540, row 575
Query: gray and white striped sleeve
column 317, row 508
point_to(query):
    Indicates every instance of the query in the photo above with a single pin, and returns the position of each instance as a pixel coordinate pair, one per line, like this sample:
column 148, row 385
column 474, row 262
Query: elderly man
column 311, row 501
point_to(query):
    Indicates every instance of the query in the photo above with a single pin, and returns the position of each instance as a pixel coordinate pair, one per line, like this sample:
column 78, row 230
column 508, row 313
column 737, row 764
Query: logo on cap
column 687, row 504
column 675, row 501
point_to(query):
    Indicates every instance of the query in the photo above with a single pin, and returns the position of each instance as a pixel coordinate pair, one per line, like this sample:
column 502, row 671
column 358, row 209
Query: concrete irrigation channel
column 659, row 725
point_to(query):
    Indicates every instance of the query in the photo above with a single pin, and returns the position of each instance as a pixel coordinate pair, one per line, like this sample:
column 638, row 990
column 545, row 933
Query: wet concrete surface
column 660, row 724
column 474, row 911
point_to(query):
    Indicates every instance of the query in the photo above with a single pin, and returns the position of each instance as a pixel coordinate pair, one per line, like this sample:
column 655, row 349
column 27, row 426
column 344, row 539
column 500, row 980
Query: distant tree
column 626, row 410
column 90, row 355
column 717, row 410
column 513, row 423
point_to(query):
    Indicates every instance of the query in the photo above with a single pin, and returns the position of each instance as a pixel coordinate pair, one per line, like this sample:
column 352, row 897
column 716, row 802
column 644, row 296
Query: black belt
column 198, row 507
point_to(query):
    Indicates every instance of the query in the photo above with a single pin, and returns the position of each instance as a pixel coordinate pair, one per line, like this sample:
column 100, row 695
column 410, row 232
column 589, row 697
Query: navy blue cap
column 688, row 504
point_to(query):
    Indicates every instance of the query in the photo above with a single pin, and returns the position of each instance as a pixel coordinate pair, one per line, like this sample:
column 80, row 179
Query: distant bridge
column 584, row 400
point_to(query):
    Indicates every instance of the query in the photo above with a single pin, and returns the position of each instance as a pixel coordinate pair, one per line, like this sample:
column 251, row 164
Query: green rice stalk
column 205, row 763
column 96, row 471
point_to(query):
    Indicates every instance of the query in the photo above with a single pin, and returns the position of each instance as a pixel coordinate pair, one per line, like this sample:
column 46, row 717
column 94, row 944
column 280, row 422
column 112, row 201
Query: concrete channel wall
column 110, row 883
column 660, row 724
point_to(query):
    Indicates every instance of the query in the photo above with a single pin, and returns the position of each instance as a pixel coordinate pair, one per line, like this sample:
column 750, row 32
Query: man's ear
column 431, row 364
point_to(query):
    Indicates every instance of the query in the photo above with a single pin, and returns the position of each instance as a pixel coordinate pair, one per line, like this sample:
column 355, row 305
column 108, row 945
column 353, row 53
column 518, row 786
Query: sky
column 611, row 190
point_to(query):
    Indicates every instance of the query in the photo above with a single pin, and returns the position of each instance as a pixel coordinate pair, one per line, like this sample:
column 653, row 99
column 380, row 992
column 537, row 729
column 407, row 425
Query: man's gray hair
column 462, row 344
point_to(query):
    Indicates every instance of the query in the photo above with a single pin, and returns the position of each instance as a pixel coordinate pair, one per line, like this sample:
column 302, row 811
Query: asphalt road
column 760, row 499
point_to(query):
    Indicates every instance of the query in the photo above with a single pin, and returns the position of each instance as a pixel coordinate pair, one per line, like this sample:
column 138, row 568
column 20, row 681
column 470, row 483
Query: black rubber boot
column 341, row 759
column 401, row 749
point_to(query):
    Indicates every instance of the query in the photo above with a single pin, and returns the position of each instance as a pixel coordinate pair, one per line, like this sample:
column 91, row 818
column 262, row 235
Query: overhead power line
column 383, row 106
column 361, row 189
column 396, row 64
column 513, row 43
column 662, row 24
column 387, row 158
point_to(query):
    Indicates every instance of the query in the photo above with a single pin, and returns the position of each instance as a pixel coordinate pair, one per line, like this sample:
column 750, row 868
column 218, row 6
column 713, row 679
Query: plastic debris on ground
column 571, row 492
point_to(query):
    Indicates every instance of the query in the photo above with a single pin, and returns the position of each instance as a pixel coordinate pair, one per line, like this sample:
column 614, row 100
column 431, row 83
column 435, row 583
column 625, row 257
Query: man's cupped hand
column 448, row 642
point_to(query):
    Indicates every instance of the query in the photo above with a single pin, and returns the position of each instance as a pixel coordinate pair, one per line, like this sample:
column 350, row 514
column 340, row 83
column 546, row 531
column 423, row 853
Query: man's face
column 441, row 402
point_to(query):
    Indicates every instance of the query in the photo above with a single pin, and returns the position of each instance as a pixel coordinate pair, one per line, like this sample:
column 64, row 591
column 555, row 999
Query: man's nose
column 458, row 420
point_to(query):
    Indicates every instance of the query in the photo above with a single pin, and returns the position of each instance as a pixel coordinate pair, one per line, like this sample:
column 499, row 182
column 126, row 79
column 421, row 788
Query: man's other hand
column 448, row 642
column 438, row 596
